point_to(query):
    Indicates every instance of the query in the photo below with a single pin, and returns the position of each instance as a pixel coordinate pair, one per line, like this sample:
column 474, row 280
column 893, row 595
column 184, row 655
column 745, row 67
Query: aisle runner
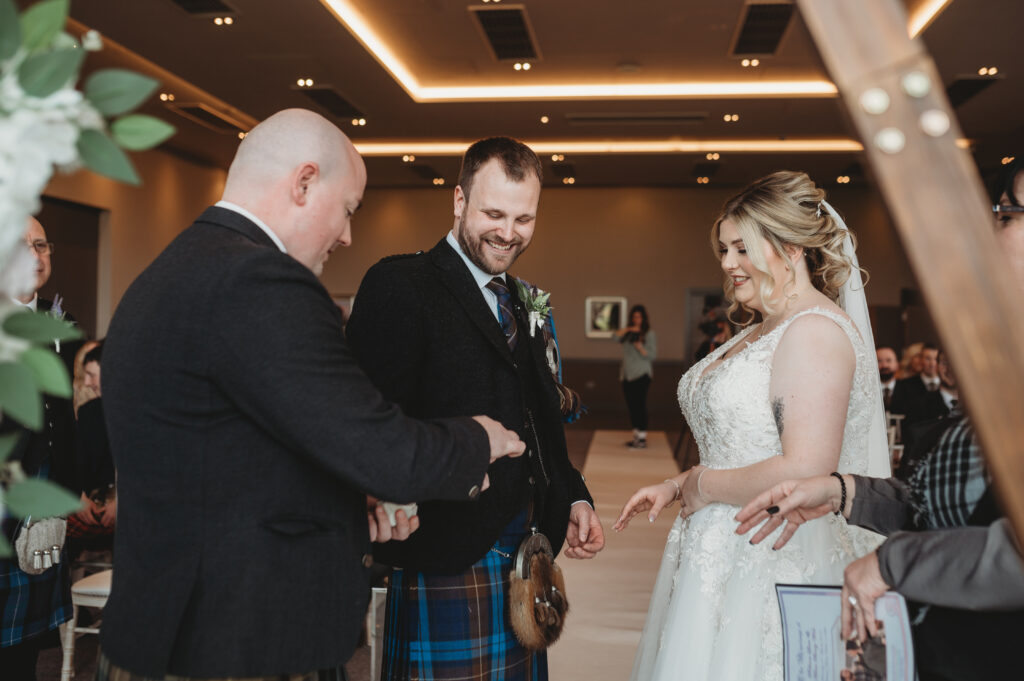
column 609, row 594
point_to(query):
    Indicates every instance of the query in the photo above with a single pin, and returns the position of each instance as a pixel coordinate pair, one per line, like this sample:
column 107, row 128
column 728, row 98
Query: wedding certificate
column 813, row 648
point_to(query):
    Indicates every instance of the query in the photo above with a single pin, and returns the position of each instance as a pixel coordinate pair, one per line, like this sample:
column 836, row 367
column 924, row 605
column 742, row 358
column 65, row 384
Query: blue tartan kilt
column 31, row 605
column 456, row 627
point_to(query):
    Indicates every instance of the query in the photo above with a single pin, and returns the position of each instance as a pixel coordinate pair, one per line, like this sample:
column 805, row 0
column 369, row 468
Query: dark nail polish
column 772, row 510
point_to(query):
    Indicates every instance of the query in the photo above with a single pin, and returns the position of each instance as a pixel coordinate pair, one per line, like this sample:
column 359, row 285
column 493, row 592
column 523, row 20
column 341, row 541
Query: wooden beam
column 895, row 97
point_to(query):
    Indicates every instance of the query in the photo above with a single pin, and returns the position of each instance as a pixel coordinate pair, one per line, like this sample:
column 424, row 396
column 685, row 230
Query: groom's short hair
column 517, row 160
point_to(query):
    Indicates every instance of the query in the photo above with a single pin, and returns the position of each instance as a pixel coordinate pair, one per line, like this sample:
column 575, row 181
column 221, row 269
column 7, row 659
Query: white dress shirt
column 482, row 278
column 259, row 223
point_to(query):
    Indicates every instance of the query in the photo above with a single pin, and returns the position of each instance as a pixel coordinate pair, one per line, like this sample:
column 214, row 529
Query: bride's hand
column 792, row 501
column 653, row 498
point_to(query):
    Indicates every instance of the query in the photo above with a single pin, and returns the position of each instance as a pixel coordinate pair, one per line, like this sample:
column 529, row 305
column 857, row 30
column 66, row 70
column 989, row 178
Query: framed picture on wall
column 604, row 314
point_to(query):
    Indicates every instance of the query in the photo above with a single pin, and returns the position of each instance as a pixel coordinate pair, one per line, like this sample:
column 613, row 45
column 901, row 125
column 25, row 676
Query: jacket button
column 367, row 560
column 474, row 491
column 532, row 481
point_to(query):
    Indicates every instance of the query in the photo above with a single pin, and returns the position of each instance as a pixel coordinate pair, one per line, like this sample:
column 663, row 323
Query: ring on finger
column 852, row 600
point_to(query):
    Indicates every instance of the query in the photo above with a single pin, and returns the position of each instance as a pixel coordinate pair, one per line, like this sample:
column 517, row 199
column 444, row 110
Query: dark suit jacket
column 245, row 438
column 424, row 334
column 911, row 398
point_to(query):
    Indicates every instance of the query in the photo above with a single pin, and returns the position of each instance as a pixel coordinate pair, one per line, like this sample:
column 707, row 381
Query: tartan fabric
column 948, row 484
column 508, row 319
column 31, row 605
column 456, row 628
column 108, row 671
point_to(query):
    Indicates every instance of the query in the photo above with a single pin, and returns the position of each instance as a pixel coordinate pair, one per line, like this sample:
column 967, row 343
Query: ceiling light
column 358, row 122
column 304, row 82
column 568, row 180
column 408, row 158
column 438, row 181
column 989, row 71
column 843, row 179
column 526, row 66
column 750, row 62
column 731, row 118
column 218, row 21
column 557, row 157
column 228, row 20
column 518, row 66
column 712, row 156
column 544, row 119
column 703, row 180
column 745, row 63
column 755, row 62
column 1007, row 160
column 923, row 16
column 241, row 135
column 623, row 146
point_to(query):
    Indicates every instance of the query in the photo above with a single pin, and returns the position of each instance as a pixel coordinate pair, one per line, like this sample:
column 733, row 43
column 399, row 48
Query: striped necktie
column 508, row 320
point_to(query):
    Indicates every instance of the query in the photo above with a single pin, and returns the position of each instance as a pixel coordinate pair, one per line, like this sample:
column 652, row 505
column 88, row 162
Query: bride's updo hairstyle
column 784, row 209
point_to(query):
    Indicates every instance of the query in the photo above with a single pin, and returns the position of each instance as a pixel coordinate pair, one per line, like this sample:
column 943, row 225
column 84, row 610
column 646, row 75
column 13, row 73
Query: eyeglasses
column 999, row 208
column 41, row 247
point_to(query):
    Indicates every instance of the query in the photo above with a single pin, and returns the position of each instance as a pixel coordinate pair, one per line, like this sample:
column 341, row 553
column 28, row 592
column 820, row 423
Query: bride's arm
column 812, row 372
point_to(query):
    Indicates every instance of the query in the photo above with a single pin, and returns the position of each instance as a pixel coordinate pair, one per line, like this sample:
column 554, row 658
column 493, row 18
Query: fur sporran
column 537, row 601
column 39, row 544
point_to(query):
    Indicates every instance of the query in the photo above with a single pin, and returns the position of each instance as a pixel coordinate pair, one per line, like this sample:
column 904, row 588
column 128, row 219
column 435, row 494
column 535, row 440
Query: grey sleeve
column 975, row 568
column 881, row 505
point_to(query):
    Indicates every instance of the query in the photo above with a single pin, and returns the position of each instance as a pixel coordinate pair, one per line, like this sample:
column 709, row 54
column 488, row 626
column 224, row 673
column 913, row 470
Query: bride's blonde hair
column 784, row 209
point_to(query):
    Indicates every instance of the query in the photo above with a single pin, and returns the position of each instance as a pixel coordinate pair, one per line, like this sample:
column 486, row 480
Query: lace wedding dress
column 714, row 614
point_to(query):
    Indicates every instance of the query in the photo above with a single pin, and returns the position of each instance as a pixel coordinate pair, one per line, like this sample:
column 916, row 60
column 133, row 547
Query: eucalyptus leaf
column 40, row 499
column 117, row 91
column 19, row 396
column 44, row 73
column 10, row 29
column 101, row 154
column 5, row 547
column 138, row 132
column 39, row 327
column 50, row 373
column 41, row 22
column 7, row 444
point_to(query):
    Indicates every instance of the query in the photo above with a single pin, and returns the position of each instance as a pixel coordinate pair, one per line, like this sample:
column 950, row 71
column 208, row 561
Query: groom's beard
column 475, row 250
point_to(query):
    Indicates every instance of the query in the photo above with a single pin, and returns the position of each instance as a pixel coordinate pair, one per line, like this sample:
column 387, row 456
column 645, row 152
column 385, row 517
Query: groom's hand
column 585, row 536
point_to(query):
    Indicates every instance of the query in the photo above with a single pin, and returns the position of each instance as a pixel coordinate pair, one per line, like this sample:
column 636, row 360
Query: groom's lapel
column 457, row 279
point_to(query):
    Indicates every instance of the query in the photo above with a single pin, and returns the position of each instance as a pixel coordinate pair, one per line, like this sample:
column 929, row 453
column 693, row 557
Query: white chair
column 91, row 592
column 375, row 629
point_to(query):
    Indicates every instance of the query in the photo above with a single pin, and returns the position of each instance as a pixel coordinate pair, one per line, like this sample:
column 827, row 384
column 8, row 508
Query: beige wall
column 649, row 245
column 139, row 221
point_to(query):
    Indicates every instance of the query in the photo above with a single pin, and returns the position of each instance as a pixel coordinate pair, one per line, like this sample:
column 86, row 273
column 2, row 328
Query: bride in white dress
column 794, row 396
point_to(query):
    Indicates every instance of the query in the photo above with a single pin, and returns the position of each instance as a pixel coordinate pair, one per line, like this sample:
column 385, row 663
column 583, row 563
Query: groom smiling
column 445, row 333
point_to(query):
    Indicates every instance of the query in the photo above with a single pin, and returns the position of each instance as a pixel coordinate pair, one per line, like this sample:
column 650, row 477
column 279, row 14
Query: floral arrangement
column 46, row 122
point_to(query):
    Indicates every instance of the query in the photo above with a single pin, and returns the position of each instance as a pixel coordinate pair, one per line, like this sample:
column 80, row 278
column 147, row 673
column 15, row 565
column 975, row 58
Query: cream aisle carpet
column 609, row 595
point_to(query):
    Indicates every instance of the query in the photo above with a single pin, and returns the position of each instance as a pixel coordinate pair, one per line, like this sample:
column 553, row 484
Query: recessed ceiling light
column 544, row 119
column 1007, row 160
column 358, row 122
column 703, row 180
column 526, row 66
column 241, row 135
column 750, row 62
column 304, row 82
column 568, row 180
column 843, row 179
column 408, row 158
column 712, row 156
column 731, row 118
column 988, row 71
column 438, row 181
column 557, row 157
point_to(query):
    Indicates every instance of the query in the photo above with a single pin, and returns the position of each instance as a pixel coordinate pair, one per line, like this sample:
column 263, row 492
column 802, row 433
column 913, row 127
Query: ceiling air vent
column 705, row 169
column 507, row 31
column 208, row 117
column 761, row 28
column 963, row 89
column 205, row 6
column 656, row 118
column 331, row 101
column 424, row 171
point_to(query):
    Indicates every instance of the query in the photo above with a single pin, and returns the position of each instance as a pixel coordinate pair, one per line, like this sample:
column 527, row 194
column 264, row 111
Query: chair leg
column 68, row 645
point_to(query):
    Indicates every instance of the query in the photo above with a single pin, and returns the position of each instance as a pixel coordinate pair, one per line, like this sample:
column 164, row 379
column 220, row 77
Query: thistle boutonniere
column 536, row 302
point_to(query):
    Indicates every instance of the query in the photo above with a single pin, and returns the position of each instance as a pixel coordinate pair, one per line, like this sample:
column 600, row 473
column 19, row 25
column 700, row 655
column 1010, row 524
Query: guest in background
column 639, row 349
column 32, row 605
column 92, row 528
column 888, row 365
column 80, row 393
column 918, row 398
column 716, row 329
column 910, row 363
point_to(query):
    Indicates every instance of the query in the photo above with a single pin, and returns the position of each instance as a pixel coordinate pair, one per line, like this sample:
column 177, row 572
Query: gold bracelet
column 679, row 490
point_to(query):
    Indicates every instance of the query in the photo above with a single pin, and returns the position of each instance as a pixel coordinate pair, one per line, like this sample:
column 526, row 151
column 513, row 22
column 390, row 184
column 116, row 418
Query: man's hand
column 585, row 536
column 381, row 529
column 862, row 586
column 504, row 442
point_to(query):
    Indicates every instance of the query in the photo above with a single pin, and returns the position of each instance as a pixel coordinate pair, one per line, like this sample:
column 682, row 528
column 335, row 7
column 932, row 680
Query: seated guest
column 93, row 526
column 918, row 398
column 911, row 361
column 948, row 549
